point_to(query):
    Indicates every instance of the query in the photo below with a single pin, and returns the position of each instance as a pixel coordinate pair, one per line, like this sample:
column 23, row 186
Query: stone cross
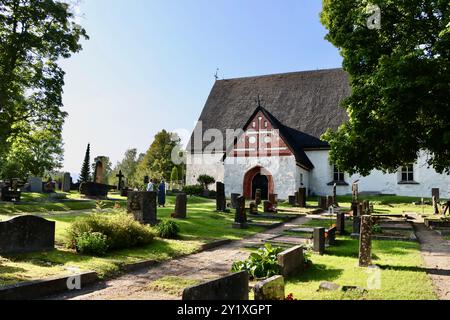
column 365, row 241
column 120, row 183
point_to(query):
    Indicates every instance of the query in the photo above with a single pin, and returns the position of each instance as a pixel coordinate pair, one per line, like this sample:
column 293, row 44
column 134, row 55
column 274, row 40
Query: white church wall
column 198, row 164
column 377, row 181
column 302, row 176
column 282, row 169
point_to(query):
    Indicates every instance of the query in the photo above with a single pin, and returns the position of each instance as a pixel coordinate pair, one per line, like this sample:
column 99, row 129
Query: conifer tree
column 85, row 175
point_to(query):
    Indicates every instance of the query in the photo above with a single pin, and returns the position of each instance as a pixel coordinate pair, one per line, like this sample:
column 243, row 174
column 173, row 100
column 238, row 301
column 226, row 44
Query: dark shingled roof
column 305, row 103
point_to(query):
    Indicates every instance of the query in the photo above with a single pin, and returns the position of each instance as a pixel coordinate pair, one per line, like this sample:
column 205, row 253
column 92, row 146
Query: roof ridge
column 281, row 74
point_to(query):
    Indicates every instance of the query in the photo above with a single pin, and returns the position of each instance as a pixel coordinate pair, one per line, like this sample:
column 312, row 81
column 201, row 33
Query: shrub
column 205, row 180
column 167, row 229
column 121, row 230
column 195, row 190
column 376, row 229
column 261, row 264
column 94, row 243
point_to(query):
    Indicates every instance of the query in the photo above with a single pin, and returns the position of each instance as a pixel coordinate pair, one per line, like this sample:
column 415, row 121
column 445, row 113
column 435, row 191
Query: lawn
column 403, row 276
column 203, row 225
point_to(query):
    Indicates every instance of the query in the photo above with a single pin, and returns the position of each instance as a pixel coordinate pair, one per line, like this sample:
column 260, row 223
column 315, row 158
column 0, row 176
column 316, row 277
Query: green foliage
column 205, row 181
column 261, row 264
column 35, row 36
column 167, row 229
column 94, row 243
column 121, row 230
column 399, row 78
column 128, row 166
column 195, row 190
column 85, row 175
column 376, row 229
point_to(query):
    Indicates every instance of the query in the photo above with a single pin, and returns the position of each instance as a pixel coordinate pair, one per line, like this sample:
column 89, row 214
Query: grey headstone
column 143, row 206
column 272, row 289
column 67, row 180
column 35, row 184
column 291, row 261
column 231, row 287
column 180, row 206
column 329, row 286
column 221, row 201
column 319, row 240
column 26, row 234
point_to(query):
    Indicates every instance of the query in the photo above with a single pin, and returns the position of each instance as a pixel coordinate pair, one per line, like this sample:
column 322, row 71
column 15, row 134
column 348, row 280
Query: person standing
column 150, row 187
column 162, row 194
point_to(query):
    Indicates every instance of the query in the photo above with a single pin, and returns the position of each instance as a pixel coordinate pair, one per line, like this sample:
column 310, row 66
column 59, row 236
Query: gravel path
column 203, row 266
column 436, row 253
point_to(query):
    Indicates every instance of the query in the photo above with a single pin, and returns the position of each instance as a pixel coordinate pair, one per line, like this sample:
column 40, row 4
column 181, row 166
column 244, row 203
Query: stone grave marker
column 120, row 183
column 319, row 240
column 234, row 198
column 269, row 207
column 273, row 198
column 240, row 219
column 258, row 197
column 330, row 201
column 436, row 205
column 355, row 191
column 253, row 209
column 35, row 184
column 292, row 200
column 335, row 203
column 332, row 236
column 340, row 223
column 143, row 206
column 272, row 289
column 180, row 206
column 231, row 287
column 356, row 225
column 435, row 192
column 365, row 241
column 26, row 234
column 221, row 202
column 67, row 182
column 354, row 209
column 291, row 261
column 323, row 203
column 302, row 197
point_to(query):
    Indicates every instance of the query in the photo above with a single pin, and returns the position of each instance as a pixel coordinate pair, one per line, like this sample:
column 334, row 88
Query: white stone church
column 273, row 143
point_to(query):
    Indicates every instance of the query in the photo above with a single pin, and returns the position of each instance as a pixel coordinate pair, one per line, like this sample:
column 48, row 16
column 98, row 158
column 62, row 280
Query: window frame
column 340, row 175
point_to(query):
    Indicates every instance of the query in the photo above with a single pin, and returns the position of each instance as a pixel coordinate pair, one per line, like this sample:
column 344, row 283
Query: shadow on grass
column 317, row 272
column 433, row 271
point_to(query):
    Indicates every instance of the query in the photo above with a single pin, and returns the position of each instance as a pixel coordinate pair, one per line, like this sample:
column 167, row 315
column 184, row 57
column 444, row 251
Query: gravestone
column 180, row 206
column 67, row 181
column 273, row 198
column 269, row 207
column 331, row 236
column 365, row 241
column 49, row 187
column 330, row 201
column 323, row 203
column 35, row 184
column 356, row 225
column 240, row 218
column 355, row 191
column 354, row 209
column 340, row 223
column 120, row 184
column 221, row 202
column 98, row 173
column 435, row 192
column 319, row 240
column 360, row 209
column 25, row 234
column 335, row 203
column 234, row 197
column 302, row 197
column 292, row 200
column 436, row 205
column 291, row 261
column 258, row 197
column 366, row 207
column 10, row 191
column 272, row 289
column 253, row 209
column 232, row 287
column 94, row 190
column 143, row 206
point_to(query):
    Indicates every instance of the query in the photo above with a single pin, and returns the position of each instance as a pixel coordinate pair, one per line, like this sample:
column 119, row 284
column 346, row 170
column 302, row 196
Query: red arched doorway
column 258, row 178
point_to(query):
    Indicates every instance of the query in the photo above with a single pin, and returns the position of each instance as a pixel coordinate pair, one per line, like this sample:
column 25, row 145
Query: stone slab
column 272, row 289
column 291, row 261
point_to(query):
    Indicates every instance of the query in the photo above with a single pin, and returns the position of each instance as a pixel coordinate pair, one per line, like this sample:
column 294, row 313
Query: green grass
column 402, row 273
column 172, row 285
column 203, row 225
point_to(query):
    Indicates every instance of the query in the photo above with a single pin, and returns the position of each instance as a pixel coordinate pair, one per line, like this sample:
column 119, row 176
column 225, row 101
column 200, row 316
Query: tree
column 205, row 181
column 85, row 174
column 128, row 166
column 34, row 36
column 400, row 75
column 157, row 162
column 174, row 177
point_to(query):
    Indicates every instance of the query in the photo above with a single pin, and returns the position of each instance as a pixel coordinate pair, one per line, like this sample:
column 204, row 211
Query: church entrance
column 258, row 178
column 260, row 182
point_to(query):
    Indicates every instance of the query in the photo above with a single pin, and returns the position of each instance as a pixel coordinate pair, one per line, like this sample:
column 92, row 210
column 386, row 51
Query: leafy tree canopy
column 400, row 79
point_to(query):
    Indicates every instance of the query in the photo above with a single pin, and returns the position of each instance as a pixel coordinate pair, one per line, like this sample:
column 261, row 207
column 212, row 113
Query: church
column 264, row 133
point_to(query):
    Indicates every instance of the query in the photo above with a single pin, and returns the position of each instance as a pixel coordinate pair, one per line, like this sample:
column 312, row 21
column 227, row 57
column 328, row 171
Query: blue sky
column 150, row 64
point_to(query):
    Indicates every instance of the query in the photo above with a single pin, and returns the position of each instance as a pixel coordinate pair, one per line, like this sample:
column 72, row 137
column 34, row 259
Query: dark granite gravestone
column 67, row 181
column 354, row 209
column 94, row 190
column 258, row 197
column 10, row 193
column 356, row 225
column 365, row 241
column 340, row 223
column 302, row 197
column 120, row 184
column 180, row 206
column 221, row 202
column 436, row 205
column 253, row 209
column 335, row 203
column 273, row 198
column 240, row 218
column 331, row 236
column 25, row 234
column 234, row 197
column 143, row 206
column 232, row 287
column 292, row 200
column 319, row 240
column 323, row 203
column 435, row 192
column 269, row 207
column 291, row 261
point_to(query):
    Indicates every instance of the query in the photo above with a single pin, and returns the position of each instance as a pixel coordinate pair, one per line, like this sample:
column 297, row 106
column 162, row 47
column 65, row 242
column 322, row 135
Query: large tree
column 400, row 79
column 34, row 36
column 128, row 166
column 85, row 175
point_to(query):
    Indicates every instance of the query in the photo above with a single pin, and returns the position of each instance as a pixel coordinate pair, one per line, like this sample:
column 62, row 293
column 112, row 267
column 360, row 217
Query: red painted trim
column 248, row 179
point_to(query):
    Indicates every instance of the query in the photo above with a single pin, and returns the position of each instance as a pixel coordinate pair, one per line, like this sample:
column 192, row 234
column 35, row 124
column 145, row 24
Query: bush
column 121, row 230
column 195, row 190
column 167, row 229
column 94, row 243
column 206, row 180
column 261, row 264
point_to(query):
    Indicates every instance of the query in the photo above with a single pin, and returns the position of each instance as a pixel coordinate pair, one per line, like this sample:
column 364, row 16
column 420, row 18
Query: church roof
column 305, row 103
